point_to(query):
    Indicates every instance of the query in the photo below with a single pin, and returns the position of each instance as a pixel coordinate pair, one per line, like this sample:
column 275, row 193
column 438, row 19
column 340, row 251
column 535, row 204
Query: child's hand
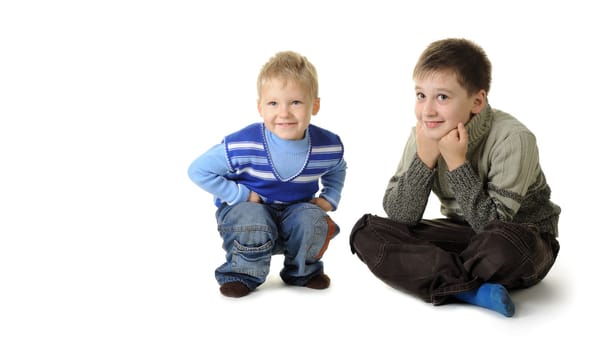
column 427, row 149
column 454, row 147
column 322, row 203
column 254, row 197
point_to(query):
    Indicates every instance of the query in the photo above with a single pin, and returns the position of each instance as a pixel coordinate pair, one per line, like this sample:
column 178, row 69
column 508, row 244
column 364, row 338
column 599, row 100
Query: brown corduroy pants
column 439, row 258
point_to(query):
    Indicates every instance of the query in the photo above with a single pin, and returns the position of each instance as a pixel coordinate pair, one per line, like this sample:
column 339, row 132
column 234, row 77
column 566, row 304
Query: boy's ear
column 259, row 107
column 316, row 106
column 479, row 101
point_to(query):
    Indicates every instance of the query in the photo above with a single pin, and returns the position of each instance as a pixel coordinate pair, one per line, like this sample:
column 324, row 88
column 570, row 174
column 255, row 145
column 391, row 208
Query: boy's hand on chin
column 453, row 147
column 427, row 149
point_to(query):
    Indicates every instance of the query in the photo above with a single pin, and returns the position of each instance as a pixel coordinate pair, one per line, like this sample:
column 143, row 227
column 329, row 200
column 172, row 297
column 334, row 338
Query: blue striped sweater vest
column 250, row 164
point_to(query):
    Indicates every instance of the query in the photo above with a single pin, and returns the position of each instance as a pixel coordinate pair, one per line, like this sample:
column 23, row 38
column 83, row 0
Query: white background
column 106, row 244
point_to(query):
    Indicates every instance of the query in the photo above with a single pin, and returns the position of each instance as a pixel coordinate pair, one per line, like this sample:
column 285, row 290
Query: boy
column 265, row 178
column 500, row 228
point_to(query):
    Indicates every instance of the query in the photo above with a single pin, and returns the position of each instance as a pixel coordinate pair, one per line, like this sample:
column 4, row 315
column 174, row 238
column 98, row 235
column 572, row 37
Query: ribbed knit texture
column 501, row 179
column 289, row 157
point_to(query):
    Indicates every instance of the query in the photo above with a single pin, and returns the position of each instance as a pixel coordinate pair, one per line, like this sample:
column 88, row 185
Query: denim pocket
column 250, row 260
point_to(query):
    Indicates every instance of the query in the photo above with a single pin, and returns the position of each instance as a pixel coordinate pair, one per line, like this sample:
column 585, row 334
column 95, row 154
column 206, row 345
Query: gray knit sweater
column 501, row 179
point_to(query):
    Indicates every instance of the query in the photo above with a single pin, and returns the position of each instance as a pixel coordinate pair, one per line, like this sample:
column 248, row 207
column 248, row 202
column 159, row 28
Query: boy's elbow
column 193, row 173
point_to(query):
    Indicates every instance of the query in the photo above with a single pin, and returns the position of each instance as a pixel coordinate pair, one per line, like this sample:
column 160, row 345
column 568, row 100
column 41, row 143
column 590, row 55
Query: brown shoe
column 321, row 281
column 234, row 289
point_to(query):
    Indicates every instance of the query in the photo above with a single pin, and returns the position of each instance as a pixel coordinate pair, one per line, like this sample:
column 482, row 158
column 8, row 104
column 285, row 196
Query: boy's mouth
column 431, row 125
column 285, row 125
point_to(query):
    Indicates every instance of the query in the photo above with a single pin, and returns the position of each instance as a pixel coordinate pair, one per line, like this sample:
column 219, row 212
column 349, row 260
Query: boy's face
column 286, row 108
column 442, row 103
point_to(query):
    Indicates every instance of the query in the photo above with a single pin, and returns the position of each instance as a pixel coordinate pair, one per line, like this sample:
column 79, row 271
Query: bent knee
column 322, row 237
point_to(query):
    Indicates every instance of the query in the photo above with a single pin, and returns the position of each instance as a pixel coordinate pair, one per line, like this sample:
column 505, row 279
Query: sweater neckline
column 479, row 126
column 305, row 142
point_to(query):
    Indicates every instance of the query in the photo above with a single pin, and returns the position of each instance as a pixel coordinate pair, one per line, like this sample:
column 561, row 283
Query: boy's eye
column 442, row 97
column 296, row 102
column 420, row 96
column 271, row 103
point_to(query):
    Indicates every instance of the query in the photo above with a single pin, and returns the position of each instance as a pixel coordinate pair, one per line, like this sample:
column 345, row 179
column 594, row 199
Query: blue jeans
column 253, row 232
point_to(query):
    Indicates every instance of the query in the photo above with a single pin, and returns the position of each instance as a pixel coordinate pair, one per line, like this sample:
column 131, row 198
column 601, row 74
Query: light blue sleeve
column 332, row 183
column 209, row 172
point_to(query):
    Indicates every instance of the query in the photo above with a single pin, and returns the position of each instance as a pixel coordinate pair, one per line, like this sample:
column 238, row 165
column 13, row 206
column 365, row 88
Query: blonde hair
column 290, row 67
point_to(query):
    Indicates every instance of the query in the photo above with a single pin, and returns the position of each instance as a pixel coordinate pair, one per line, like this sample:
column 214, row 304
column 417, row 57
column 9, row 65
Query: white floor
column 106, row 244
column 150, row 285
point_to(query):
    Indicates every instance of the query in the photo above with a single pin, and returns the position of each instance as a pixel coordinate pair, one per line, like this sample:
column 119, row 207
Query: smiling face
column 286, row 108
column 442, row 103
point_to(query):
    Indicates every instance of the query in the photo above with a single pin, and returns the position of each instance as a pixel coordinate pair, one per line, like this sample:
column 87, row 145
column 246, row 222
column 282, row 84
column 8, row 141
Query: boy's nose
column 428, row 109
column 283, row 111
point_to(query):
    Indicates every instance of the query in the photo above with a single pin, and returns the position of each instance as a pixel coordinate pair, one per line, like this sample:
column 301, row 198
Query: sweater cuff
column 242, row 195
column 419, row 174
column 462, row 177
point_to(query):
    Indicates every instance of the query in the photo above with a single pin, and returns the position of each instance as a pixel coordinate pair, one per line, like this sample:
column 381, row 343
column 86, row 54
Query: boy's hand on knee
column 322, row 203
column 254, row 197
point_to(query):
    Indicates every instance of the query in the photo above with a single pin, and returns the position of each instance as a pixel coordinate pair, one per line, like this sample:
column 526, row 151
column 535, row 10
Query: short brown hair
column 460, row 56
column 290, row 66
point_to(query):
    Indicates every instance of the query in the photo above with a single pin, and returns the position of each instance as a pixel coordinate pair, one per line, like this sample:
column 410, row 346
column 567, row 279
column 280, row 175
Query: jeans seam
column 382, row 243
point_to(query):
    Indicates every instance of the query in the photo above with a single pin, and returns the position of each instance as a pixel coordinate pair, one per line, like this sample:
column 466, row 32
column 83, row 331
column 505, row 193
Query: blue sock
column 491, row 296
